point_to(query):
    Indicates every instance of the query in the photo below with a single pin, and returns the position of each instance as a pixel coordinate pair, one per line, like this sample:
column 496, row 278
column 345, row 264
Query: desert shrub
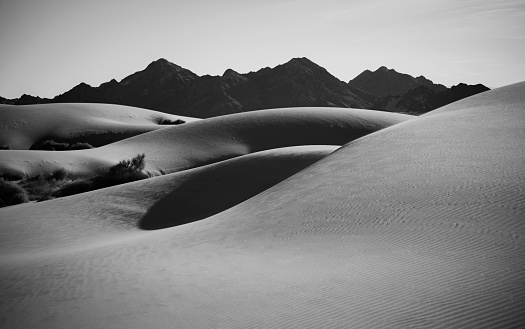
column 38, row 187
column 128, row 170
column 51, row 145
column 11, row 193
column 42, row 187
column 37, row 177
column 59, row 174
column 128, row 166
column 162, row 121
column 75, row 187
column 80, row 146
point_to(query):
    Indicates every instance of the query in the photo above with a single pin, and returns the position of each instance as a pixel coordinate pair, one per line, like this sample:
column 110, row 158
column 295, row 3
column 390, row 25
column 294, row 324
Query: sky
column 48, row 47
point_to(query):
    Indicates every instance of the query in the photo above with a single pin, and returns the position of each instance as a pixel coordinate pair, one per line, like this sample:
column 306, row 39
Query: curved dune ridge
column 207, row 141
column 23, row 127
column 417, row 225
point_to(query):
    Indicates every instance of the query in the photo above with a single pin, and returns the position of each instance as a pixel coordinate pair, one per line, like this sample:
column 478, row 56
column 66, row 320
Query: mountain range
column 167, row 87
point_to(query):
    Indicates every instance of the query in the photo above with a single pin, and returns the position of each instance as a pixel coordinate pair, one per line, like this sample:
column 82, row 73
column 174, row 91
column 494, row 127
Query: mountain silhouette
column 167, row 87
column 387, row 82
column 400, row 92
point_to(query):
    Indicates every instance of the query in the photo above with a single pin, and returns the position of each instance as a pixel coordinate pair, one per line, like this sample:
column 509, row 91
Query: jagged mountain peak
column 230, row 73
column 111, row 83
column 167, row 87
column 301, row 62
column 160, row 71
column 163, row 64
column 82, row 85
column 234, row 76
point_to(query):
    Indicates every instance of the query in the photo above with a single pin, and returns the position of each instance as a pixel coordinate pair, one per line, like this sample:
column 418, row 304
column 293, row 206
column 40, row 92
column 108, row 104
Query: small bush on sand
column 38, row 187
column 43, row 187
column 80, row 146
column 59, row 174
column 75, row 187
column 58, row 184
column 124, row 172
column 37, row 177
column 162, row 121
column 11, row 193
column 51, row 145
column 128, row 166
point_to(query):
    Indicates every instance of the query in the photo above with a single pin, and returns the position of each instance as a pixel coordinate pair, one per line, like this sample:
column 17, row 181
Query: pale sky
column 48, row 47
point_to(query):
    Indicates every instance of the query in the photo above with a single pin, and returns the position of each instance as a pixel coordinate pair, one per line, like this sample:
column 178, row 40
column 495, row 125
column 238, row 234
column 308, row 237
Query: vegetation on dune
column 11, row 193
column 11, row 176
column 59, row 183
column 128, row 166
column 162, row 121
column 124, row 172
column 51, row 145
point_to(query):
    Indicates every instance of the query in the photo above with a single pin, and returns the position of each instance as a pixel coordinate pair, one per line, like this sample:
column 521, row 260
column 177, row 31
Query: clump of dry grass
column 59, row 183
column 162, row 121
column 51, row 145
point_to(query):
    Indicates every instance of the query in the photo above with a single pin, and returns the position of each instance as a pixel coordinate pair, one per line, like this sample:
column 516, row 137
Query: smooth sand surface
column 202, row 142
column 419, row 225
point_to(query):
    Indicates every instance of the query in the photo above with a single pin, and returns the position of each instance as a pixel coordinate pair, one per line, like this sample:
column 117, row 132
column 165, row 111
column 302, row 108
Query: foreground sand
column 417, row 225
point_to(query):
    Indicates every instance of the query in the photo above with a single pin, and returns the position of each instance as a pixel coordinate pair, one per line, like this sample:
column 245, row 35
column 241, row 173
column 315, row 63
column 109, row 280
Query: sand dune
column 417, row 225
column 25, row 126
column 207, row 141
column 183, row 197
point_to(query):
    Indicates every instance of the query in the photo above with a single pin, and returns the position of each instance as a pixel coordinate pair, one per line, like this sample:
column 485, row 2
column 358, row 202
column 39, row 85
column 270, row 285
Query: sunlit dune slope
column 26, row 126
column 206, row 141
column 418, row 225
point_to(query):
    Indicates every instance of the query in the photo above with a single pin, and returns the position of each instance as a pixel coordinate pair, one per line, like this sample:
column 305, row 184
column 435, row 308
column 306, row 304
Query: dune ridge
column 203, row 142
column 416, row 225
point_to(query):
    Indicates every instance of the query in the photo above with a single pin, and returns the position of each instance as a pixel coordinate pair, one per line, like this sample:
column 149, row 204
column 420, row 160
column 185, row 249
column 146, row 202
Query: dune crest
column 202, row 142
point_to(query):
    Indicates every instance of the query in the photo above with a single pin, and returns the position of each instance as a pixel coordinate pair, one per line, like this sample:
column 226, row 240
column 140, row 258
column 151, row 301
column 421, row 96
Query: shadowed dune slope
column 208, row 190
column 418, row 225
column 206, row 141
column 25, row 126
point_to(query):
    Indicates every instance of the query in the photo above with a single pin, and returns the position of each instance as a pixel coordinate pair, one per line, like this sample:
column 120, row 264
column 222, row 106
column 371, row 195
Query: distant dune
column 417, row 225
column 25, row 126
column 198, row 142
